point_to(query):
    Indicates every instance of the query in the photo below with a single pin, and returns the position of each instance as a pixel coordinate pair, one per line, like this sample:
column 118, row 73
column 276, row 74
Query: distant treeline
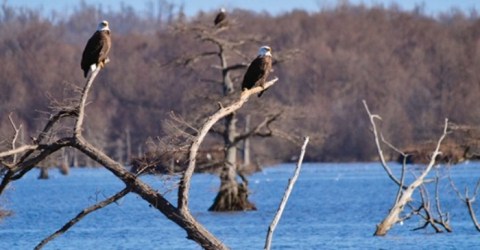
column 413, row 70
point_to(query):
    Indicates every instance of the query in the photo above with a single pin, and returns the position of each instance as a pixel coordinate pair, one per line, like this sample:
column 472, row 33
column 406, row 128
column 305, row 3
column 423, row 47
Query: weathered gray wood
column 283, row 203
column 405, row 195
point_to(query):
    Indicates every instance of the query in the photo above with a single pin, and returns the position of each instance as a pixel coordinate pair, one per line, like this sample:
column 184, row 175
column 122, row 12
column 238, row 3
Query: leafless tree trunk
column 232, row 195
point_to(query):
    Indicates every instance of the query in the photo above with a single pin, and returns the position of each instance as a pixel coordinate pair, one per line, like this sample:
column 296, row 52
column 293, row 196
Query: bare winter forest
column 413, row 69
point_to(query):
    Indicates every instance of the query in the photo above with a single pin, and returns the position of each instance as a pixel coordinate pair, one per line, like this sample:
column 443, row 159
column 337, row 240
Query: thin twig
column 255, row 130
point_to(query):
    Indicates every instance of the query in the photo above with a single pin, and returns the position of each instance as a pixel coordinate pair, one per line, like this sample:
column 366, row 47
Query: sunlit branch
column 283, row 203
column 377, row 143
column 184, row 187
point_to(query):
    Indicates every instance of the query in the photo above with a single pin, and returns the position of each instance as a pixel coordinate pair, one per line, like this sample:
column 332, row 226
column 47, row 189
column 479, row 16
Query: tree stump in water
column 233, row 196
column 43, row 174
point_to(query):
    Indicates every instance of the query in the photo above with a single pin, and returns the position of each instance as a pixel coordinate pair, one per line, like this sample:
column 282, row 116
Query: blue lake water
column 332, row 206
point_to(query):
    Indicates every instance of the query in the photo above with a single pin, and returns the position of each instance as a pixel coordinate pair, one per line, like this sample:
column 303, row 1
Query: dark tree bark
column 232, row 196
column 43, row 173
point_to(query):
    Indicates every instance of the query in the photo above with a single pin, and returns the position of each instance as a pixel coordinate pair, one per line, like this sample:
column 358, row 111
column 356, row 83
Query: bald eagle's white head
column 223, row 10
column 264, row 51
column 103, row 25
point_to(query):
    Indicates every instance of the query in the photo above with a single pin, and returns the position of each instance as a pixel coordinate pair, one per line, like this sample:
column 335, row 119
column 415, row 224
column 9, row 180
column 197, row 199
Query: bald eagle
column 221, row 19
column 97, row 48
column 258, row 70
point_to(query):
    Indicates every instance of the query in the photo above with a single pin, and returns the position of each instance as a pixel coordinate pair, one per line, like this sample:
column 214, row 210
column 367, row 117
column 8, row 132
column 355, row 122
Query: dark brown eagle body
column 258, row 72
column 97, row 48
column 221, row 19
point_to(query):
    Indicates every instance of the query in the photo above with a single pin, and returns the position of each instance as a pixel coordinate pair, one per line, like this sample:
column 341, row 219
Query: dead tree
column 20, row 160
column 233, row 192
column 405, row 192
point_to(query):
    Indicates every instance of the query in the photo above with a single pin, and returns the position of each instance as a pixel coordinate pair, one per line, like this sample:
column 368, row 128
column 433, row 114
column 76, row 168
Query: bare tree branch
column 15, row 137
column 468, row 201
column 82, row 214
column 255, row 130
column 24, row 167
column 443, row 218
column 83, row 100
column 406, row 195
column 377, row 143
column 18, row 150
column 402, row 180
column 182, row 218
column 184, row 187
column 283, row 203
column 181, row 215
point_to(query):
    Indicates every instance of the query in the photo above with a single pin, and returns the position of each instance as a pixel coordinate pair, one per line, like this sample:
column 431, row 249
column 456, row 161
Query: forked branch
column 403, row 196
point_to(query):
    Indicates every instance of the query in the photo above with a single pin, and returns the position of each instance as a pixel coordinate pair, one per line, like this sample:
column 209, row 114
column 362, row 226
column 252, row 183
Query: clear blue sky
column 272, row 6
